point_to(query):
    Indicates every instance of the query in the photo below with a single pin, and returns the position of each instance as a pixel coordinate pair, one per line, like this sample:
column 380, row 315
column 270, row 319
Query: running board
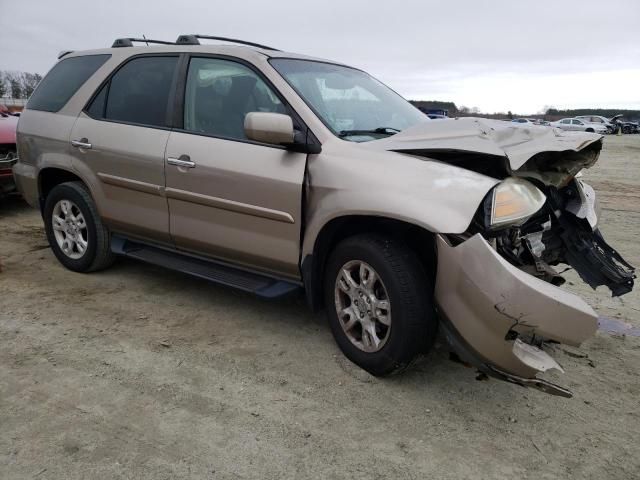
column 256, row 283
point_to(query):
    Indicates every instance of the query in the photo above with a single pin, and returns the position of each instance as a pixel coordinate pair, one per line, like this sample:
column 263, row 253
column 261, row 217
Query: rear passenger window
column 63, row 81
column 137, row 93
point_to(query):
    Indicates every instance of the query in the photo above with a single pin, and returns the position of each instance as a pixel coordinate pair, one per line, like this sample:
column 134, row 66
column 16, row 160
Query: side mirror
column 266, row 127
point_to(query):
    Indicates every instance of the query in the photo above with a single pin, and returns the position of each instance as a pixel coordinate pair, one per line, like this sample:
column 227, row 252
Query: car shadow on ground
column 13, row 205
column 435, row 370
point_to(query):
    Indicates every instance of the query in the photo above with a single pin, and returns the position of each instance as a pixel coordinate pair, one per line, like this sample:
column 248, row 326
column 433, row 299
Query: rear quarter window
column 63, row 81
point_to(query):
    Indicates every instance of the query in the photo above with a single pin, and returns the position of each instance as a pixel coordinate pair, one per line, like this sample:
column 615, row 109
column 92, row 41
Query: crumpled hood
column 518, row 143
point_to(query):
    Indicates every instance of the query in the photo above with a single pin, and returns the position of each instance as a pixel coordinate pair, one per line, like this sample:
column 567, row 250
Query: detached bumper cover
column 490, row 304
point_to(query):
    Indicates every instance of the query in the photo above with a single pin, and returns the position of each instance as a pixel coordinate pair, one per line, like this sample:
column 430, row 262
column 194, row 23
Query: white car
column 522, row 120
column 575, row 124
column 598, row 119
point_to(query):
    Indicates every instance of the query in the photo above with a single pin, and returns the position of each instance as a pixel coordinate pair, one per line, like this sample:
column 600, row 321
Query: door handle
column 82, row 143
column 183, row 161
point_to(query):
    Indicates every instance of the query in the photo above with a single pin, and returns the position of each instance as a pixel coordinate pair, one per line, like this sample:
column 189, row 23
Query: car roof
column 241, row 51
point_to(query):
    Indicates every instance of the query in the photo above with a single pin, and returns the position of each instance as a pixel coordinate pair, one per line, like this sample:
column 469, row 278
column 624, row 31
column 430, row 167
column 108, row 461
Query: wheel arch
column 50, row 177
column 337, row 229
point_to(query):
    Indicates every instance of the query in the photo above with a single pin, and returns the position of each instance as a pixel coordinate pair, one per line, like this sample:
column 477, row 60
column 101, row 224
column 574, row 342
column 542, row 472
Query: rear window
column 64, row 79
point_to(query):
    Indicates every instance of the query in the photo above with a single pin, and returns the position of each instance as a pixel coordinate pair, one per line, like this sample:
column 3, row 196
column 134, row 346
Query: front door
column 120, row 142
column 577, row 125
column 231, row 198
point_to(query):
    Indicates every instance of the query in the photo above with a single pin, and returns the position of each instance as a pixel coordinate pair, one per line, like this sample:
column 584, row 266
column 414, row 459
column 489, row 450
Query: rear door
column 121, row 138
column 231, row 198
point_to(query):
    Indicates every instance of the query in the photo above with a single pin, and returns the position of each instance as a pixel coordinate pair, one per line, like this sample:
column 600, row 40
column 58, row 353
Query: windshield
column 351, row 103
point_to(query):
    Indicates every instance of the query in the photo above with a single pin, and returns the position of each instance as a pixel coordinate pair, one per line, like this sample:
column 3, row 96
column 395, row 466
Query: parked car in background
column 259, row 169
column 522, row 120
column 529, row 121
column 625, row 125
column 598, row 119
column 8, row 156
column 577, row 125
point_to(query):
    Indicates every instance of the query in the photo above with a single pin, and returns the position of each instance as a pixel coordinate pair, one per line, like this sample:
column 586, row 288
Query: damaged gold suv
column 270, row 171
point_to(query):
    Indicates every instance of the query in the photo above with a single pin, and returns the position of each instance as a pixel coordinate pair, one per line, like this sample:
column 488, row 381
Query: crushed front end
column 497, row 284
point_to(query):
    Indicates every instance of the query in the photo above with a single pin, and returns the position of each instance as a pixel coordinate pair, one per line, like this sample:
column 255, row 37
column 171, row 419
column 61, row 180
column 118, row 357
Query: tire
column 96, row 252
column 590, row 130
column 406, row 286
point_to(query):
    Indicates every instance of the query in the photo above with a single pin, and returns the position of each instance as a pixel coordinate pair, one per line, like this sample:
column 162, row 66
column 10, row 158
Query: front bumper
column 489, row 307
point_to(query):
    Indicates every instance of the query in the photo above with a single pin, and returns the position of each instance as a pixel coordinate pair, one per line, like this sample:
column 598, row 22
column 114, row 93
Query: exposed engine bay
column 540, row 217
column 565, row 231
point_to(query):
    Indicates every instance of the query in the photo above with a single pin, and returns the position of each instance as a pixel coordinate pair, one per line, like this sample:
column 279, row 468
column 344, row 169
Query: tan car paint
column 128, row 163
column 239, row 195
column 266, row 127
column 349, row 179
column 243, row 202
column 43, row 142
column 484, row 296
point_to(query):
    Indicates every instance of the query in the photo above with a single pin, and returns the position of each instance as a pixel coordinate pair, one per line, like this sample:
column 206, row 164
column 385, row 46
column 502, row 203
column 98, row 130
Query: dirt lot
column 139, row 372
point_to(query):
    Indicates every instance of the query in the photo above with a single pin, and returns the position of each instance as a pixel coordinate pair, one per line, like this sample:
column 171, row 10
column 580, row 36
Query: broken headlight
column 512, row 202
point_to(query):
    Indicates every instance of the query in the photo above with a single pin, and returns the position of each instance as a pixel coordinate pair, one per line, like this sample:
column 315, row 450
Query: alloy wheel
column 70, row 229
column 363, row 306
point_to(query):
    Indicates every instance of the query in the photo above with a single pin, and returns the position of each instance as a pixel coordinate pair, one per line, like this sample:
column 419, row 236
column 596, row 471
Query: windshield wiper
column 379, row 130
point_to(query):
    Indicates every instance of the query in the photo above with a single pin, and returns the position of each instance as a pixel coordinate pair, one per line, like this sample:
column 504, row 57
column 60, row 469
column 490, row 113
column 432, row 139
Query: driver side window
column 219, row 94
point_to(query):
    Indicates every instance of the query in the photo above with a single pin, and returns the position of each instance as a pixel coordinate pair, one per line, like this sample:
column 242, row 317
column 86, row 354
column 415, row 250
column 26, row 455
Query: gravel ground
column 139, row 372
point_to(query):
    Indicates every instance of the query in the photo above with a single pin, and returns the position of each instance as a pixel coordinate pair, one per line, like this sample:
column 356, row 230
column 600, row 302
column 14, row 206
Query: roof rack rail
column 192, row 39
column 64, row 53
column 128, row 42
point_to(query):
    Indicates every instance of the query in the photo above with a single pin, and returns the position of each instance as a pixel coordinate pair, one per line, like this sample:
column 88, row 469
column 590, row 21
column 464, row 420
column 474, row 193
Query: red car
column 8, row 154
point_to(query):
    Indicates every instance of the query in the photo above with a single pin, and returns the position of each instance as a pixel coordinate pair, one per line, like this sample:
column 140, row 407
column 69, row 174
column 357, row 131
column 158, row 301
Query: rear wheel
column 379, row 302
column 74, row 229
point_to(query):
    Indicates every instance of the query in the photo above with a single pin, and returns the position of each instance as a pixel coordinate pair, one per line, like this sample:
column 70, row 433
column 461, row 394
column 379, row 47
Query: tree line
column 18, row 84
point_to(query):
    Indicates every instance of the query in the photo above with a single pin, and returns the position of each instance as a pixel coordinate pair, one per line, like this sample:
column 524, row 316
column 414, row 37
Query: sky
column 497, row 55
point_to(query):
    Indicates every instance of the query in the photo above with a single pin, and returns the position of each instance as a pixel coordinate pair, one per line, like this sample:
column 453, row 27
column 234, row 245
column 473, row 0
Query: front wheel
column 379, row 302
column 74, row 229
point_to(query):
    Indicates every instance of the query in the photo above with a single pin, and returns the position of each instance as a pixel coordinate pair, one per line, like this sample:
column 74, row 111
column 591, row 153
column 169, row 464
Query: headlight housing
column 513, row 201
